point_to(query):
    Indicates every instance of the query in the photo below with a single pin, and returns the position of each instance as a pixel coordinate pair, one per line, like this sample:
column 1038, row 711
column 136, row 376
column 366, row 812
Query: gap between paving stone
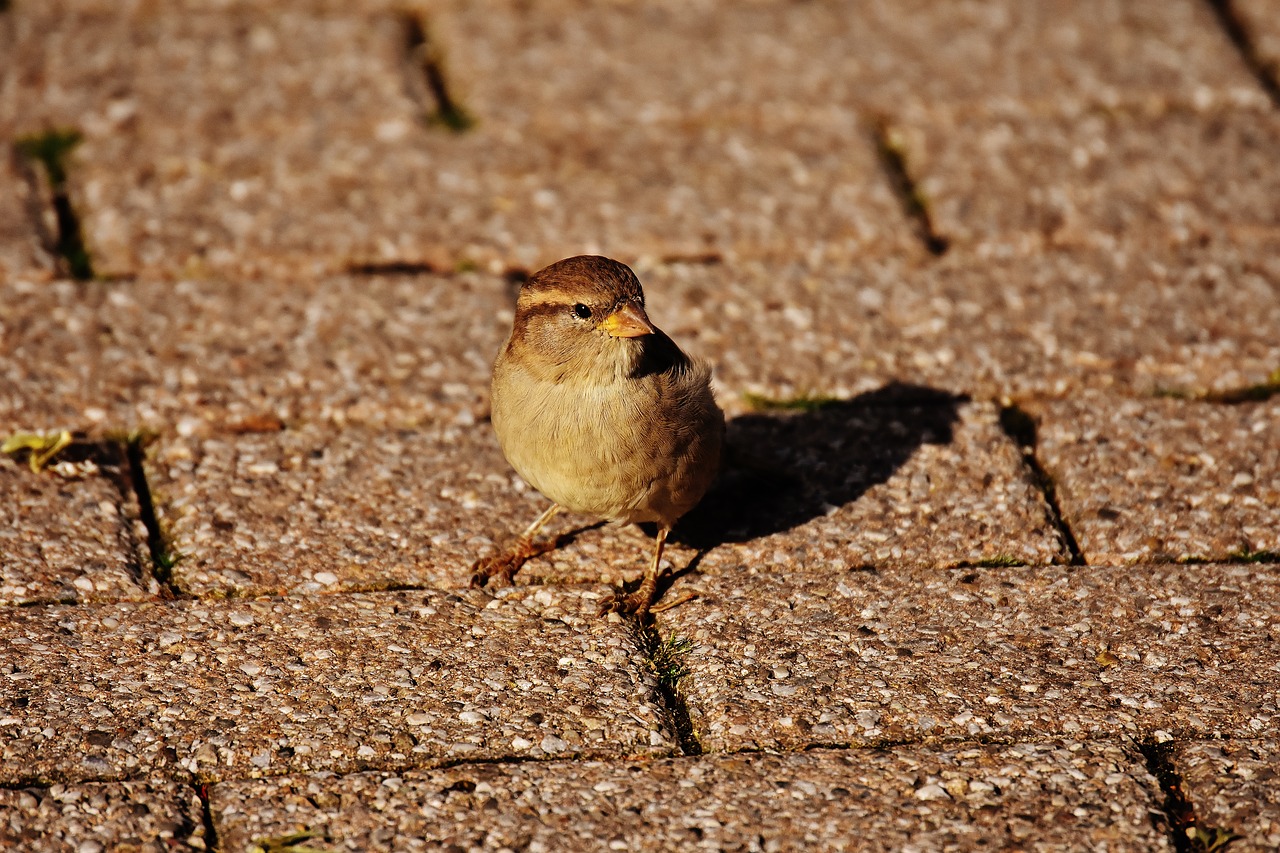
column 424, row 60
column 1237, row 29
column 893, row 158
column 75, row 534
column 1165, row 480
column 158, row 547
column 1021, row 429
column 52, row 149
column 1179, row 812
column 1235, row 786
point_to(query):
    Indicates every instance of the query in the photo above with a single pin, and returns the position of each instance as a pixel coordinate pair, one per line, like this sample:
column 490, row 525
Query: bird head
column 583, row 316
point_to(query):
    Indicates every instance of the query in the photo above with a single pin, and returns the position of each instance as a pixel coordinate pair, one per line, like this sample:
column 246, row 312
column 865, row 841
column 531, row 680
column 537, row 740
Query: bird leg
column 638, row 603
column 504, row 565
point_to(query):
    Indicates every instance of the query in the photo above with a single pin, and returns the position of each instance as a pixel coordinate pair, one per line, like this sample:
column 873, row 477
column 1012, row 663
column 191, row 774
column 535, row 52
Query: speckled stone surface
column 248, row 688
column 790, row 660
column 206, row 134
column 1067, row 796
column 1235, row 785
column 310, row 511
column 664, row 60
column 1016, row 179
column 1160, row 479
column 760, row 146
column 138, row 817
column 236, row 356
column 1127, row 319
column 66, row 538
column 306, row 278
column 313, row 510
column 406, row 350
column 873, row 482
column 55, row 358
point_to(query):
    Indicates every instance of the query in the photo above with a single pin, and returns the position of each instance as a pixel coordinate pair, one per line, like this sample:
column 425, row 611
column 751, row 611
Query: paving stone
column 519, row 63
column 56, row 355
column 1036, row 796
column 67, row 538
column 1233, row 785
column 1153, row 480
column 311, row 510
column 738, row 186
column 934, row 482
column 342, row 683
column 1135, row 321
column 205, row 135
column 146, row 817
column 862, row 658
column 228, row 355
column 1016, row 179
column 404, row 350
column 308, row 511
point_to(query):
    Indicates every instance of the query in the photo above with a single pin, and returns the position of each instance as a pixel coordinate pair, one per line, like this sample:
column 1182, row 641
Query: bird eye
column 582, row 311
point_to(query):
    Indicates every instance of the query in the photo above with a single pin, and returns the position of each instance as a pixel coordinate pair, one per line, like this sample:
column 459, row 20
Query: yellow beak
column 629, row 321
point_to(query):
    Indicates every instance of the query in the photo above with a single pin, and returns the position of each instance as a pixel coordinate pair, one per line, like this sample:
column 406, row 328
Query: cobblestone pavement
column 992, row 292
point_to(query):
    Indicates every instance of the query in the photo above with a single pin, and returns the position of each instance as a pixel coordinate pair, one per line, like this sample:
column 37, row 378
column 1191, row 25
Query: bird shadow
column 805, row 458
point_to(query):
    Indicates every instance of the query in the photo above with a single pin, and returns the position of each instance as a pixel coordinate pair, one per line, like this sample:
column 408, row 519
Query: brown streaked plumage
column 600, row 411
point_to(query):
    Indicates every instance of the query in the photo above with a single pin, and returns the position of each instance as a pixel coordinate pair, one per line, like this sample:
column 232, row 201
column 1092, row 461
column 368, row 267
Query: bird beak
column 629, row 321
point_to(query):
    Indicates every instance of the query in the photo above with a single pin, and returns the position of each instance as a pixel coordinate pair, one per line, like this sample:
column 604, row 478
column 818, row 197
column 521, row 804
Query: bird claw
column 501, row 568
column 635, row 604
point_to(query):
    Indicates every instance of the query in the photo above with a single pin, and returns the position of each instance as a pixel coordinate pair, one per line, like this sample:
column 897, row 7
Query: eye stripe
column 547, row 296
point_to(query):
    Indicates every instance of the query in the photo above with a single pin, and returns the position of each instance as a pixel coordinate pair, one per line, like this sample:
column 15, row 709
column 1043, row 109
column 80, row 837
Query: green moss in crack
column 295, row 842
column 1246, row 555
column 164, row 557
column 1211, row 839
column 51, row 150
column 805, row 402
column 426, row 55
column 1256, row 393
column 999, row 561
column 669, row 660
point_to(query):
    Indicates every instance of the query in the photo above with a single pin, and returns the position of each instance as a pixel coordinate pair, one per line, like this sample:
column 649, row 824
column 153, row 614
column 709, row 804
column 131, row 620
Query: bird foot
column 635, row 604
column 500, row 568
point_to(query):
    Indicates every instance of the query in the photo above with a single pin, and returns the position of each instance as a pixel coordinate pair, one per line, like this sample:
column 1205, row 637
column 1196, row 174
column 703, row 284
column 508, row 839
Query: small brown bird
column 601, row 412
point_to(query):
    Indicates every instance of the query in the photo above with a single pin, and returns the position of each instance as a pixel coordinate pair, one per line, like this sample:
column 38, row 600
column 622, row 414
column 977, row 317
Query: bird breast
column 627, row 449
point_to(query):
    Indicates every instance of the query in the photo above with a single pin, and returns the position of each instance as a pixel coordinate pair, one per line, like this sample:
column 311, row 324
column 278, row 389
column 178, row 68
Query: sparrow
column 600, row 412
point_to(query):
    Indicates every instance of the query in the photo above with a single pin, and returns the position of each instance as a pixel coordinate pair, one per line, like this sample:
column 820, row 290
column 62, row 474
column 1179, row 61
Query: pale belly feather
column 595, row 450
